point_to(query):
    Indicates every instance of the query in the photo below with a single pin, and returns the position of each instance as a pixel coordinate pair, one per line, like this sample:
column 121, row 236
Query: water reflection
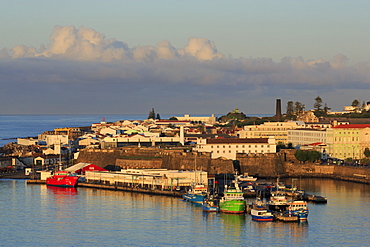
column 62, row 190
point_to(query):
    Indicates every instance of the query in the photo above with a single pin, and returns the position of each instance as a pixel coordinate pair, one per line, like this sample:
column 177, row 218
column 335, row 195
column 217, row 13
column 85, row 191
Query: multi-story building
column 277, row 130
column 307, row 137
column 229, row 147
column 348, row 140
column 211, row 120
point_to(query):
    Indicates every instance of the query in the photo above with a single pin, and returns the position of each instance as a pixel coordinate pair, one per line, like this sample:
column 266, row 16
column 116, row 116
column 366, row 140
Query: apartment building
column 277, row 130
column 229, row 147
column 348, row 141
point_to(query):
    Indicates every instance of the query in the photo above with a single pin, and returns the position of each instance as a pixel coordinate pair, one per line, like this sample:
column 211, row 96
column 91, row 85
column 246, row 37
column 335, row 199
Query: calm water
column 36, row 215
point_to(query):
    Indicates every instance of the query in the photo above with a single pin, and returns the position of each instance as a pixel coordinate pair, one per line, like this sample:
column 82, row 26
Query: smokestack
column 278, row 110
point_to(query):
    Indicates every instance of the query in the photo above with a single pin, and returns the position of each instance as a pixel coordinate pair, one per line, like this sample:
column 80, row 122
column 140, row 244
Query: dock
column 280, row 217
column 173, row 193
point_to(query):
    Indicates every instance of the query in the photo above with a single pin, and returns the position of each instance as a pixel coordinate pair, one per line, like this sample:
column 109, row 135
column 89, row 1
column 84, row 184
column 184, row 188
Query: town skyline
column 128, row 57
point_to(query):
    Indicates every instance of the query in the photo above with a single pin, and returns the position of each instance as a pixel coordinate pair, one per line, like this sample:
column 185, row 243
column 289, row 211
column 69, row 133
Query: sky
column 181, row 57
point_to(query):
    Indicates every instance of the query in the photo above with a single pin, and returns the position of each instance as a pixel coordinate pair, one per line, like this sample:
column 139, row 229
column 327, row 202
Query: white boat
column 259, row 212
column 246, row 178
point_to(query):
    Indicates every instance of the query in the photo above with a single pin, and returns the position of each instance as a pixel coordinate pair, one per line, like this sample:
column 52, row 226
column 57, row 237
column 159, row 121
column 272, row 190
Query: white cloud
column 84, row 64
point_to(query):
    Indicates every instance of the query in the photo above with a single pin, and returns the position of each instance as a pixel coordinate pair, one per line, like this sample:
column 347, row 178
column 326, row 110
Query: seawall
column 282, row 164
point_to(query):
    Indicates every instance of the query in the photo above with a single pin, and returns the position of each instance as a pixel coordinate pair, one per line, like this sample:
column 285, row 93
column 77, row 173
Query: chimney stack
column 278, row 110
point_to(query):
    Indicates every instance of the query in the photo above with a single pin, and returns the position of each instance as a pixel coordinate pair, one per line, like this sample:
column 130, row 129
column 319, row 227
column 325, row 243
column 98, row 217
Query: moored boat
column 260, row 212
column 233, row 200
column 62, row 179
column 210, row 205
column 196, row 194
column 299, row 209
column 246, row 178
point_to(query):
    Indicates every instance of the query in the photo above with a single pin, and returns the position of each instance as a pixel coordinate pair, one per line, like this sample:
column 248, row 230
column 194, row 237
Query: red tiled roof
column 352, row 126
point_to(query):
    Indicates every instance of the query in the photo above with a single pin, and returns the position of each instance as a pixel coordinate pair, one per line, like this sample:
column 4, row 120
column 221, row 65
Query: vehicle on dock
column 232, row 200
column 62, row 179
column 196, row 194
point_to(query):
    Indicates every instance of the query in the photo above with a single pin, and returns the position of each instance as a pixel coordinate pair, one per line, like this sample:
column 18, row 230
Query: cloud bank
column 82, row 71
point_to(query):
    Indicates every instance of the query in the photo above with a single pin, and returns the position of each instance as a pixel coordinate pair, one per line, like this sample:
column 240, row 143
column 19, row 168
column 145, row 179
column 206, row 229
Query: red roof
column 352, row 126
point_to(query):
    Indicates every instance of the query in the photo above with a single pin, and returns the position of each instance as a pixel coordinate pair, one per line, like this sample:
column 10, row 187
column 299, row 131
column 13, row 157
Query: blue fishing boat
column 260, row 212
column 210, row 205
column 196, row 194
column 299, row 209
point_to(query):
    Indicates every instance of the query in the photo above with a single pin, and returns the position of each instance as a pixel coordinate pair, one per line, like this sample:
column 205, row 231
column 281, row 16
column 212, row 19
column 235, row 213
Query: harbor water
column 37, row 215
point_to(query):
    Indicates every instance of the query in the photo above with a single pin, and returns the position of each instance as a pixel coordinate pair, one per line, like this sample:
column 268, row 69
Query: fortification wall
column 267, row 165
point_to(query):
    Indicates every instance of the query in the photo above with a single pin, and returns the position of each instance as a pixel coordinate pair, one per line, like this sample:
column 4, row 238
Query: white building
column 229, row 147
column 204, row 119
column 277, row 130
column 305, row 136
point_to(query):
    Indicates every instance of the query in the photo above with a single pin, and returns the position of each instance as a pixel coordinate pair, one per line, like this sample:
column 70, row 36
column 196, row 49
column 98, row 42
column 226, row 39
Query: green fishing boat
column 233, row 200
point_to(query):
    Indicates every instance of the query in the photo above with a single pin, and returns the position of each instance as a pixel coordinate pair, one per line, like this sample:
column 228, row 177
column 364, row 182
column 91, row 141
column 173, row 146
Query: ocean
column 37, row 215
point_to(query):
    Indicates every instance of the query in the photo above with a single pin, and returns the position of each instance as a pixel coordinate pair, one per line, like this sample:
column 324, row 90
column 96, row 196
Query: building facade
column 348, row 141
column 305, row 136
column 229, row 147
column 277, row 130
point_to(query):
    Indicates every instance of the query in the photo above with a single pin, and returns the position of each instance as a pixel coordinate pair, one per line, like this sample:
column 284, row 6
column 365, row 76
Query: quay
column 173, row 193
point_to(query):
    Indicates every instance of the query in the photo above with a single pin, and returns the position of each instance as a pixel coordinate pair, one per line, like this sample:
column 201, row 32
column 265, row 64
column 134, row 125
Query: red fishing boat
column 62, row 179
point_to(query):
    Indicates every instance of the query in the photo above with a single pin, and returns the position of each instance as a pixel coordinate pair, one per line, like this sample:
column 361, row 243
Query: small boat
column 260, row 212
column 246, row 178
column 210, row 205
column 233, row 200
column 62, row 179
column 299, row 209
column 317, row 199
column 196, row 194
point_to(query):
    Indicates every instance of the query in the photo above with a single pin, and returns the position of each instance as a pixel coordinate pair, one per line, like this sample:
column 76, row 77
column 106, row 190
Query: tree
column 318, row 104
column 326, row 109
column 290, row 110
column 305, row 155
column 367, row 152
column 158, row 116
column 355, row 103
column 151, row 114
column 298, row 108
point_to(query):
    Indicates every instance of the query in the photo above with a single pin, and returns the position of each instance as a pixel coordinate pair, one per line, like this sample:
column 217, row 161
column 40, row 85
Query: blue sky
column 196, row 57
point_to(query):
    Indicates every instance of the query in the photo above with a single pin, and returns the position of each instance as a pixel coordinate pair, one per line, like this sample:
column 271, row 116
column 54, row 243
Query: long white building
column 229, row 147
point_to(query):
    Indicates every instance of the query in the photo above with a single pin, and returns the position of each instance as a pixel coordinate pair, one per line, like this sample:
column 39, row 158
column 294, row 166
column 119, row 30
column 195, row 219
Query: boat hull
column 194, row 198
column 233, row 206
column 207, row 208
column 261, row 215
column 68, row 181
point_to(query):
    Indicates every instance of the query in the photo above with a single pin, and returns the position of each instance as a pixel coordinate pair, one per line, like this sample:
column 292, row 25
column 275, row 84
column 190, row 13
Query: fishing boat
column 299, row 209
column 278, row 201
column 62, row 179
column 233, row 200
column 196, row 194
column 260, row 212
column 210, row 205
